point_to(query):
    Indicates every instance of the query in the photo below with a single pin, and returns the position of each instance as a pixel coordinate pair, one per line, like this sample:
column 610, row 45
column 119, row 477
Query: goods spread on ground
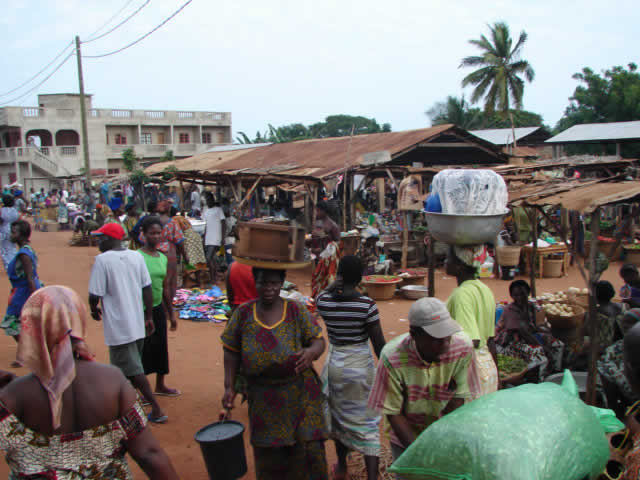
column 202, row 305
column 508, row 365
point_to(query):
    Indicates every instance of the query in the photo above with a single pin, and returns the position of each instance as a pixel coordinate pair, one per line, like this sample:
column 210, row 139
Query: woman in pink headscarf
column 71, row 417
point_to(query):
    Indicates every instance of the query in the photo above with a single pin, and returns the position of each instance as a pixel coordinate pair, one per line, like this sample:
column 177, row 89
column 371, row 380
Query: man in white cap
column 422, row 374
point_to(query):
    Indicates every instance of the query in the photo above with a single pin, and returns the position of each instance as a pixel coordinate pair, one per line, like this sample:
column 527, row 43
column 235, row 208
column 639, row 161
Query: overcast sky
column 282, row 62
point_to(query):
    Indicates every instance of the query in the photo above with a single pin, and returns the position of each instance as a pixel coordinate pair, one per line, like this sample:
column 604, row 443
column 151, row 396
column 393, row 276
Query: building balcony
column 18, row 115
column 158, row 150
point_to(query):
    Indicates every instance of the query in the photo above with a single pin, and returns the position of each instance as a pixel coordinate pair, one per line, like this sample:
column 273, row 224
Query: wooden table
column 541, row 252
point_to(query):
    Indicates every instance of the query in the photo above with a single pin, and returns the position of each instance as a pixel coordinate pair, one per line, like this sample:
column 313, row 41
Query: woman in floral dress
column 276, row 342
column 518, row 336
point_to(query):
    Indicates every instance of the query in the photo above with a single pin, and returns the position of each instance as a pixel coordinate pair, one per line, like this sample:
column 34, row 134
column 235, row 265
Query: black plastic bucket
column 222, row 448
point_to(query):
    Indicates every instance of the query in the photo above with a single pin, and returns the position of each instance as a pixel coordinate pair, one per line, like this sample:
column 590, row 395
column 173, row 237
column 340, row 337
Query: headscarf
column 50, row 317
column 472, row 255
column 105, row 211
column 164, row 207
column 182, row 222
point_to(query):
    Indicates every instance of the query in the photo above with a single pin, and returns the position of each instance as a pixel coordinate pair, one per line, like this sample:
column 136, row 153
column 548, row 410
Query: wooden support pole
column 405, row 241
column 345, row 186
column 236, row 194
column 380, row 189
column 314, row 212
column 393, row 180
column 593, row 308
column 533, row 218
column 182, row 209
column 247, row 197
column 432, row 263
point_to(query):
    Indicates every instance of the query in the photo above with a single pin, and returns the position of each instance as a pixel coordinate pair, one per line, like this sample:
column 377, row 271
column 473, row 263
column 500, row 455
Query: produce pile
column 381, row 279
column 577, row 291
column 509, row 365
column 559, row 309
column 553, row 297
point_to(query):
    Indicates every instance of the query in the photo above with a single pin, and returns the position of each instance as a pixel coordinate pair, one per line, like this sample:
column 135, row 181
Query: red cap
column 112, row 230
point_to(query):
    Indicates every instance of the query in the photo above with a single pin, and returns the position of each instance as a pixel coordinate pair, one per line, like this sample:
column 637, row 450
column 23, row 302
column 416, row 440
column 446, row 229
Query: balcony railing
column 166, row 117
column 69, row 150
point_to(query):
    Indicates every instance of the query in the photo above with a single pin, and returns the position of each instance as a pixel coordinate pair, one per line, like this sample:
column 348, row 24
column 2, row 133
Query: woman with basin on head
column 276, row 342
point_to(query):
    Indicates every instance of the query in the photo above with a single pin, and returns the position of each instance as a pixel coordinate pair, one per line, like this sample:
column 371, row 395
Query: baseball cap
column 432, row 316
column 112, row 230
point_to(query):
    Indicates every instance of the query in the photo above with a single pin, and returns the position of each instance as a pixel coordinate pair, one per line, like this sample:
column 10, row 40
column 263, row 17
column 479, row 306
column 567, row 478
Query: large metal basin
column 464, row 229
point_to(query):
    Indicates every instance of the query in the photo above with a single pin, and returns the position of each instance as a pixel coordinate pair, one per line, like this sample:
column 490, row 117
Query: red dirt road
column 195, row 351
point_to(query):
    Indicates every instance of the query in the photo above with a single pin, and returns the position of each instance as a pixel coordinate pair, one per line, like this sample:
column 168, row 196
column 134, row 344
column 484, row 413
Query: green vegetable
column 508, row 364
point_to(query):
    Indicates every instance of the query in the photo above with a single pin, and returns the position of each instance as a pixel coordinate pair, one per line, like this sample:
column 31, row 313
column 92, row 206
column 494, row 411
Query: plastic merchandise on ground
column 202, row 305
column 531, row 432
column 471, row 192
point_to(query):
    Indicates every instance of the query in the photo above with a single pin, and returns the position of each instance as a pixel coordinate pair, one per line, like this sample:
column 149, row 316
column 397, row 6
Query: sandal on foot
column 171, row 392
column 162, row 419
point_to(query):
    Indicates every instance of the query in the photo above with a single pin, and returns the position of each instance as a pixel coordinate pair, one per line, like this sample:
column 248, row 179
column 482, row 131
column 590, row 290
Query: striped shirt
column 347, row 320
column 407, row 385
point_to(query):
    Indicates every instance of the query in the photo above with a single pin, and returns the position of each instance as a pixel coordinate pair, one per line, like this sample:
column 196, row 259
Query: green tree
column 521, row 118
column 129, row 159
column 168, row 156
column 611, row 96
column 457, row 111
column 499, row 70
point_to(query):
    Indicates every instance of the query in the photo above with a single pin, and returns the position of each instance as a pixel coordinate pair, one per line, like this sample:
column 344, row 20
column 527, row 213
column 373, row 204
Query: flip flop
column 162, row 419
column 174, row 393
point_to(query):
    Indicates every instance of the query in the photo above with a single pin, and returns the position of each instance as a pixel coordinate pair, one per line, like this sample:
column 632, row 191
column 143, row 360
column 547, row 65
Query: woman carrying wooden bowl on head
column 276, row 342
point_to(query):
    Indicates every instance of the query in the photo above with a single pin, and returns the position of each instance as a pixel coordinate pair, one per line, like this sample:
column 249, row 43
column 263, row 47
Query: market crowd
column 446, row 359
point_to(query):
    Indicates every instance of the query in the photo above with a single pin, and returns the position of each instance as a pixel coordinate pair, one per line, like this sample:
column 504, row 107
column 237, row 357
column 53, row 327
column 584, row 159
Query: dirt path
column 195, row 351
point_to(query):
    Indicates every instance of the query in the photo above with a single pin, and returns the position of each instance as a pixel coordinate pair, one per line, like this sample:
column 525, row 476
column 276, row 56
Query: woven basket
column 552, row 268
column 508, row 256
column 574, row 321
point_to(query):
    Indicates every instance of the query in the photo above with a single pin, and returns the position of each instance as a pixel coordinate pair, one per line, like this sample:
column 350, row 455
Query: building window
column 206, row 138
column 113, row 171
column 121, row 139
column 184, row 138
column 145, row 139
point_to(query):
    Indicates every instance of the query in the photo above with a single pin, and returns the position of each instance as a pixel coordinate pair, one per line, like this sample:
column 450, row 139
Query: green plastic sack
column 531, row 432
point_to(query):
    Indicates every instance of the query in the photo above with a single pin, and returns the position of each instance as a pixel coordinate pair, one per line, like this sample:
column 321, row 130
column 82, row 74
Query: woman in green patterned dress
column 276, row 342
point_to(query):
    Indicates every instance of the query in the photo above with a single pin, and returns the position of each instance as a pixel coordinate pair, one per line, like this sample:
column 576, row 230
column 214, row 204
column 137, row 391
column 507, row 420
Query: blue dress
column 20, row 291
column 7, row 247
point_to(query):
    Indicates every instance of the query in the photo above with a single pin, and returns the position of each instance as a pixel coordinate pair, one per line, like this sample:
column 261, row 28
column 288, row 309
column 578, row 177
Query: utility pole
column 83, row 116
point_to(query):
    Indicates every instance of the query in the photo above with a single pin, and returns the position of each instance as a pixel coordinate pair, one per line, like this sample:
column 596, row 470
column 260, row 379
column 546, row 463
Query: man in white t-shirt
column 120, row 280
column 213, row 235
column 195, row 202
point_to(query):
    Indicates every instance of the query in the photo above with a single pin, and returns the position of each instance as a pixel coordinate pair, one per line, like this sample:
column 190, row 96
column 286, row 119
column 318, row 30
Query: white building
column 46, row 141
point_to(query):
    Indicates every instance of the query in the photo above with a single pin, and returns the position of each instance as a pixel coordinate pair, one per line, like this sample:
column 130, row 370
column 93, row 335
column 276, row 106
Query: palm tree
column 457, row 111
column 498, row 79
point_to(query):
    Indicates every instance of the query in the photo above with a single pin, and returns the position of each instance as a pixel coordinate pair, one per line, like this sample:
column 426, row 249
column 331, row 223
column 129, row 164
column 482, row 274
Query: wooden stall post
column 593, row 307
column 533, row 218
column 432, row 262
column 380, row 190
column 345, row 185
column 309, row 224
column 405, row 241
column 181, row 203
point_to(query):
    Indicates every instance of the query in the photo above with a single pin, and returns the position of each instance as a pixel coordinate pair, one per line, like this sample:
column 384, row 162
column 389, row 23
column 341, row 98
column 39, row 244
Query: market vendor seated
column 422, row 375
column 630, row 292
column 609, row 316
column 370, row 254
column 517, row 334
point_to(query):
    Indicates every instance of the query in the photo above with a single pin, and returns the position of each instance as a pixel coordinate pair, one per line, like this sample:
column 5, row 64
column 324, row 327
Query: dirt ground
column 196, row 354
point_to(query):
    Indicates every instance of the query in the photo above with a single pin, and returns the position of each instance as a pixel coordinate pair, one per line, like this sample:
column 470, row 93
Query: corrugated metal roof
column 583, row 197
column 599, row 132
column 503, row 136
column 243, row 146
column 203, row 161
column 325, row 157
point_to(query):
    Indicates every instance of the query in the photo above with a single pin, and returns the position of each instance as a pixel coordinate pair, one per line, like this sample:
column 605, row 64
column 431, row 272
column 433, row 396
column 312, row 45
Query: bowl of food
column 414, row 292
column 464, row 229
column 511, row 369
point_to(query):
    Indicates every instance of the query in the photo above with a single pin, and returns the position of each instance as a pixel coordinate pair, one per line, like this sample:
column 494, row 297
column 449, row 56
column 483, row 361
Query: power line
column 118, row 25
column 44, row 80
column 114, row 16
column 142, row 37
column 39, row 73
